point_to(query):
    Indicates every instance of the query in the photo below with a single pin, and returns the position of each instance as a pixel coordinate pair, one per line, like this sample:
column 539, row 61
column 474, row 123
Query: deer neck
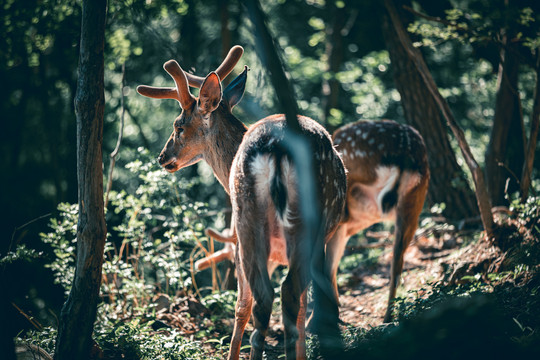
column 225, row 133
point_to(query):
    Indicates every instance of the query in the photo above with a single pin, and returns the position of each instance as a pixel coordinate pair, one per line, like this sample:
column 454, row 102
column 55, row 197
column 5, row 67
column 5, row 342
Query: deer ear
column 210, row 94
column 235, row 90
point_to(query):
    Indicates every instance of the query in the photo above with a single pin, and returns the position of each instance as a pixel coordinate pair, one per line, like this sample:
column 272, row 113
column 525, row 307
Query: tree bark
column 533, row 138
column 482, row 197
column 334, row 58
column 448, row 184
column 506, row 149
column 78, row 314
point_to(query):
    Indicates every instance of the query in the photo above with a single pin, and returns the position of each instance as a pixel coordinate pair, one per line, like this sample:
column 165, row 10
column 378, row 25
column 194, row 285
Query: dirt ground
column 363, row 290
column 364, row 293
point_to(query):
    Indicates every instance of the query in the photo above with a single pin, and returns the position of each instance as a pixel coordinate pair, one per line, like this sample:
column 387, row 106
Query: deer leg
column 301, row 326
column 408, row 211
column 242, row 312
column 293, row 291
column 253, row 240
column 263, row 295
column 334, row 252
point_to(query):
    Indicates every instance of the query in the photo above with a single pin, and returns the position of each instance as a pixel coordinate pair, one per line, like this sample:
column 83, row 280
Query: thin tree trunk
column 506, row 149
column 448, row 184
column 74, row 339
column 533, row 138
column 334, row 56
column 226, row 41
column 482, row 196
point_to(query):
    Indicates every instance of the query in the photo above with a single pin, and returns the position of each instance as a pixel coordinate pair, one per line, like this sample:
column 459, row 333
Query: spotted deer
column 388, row 177
column 255, row 168
column 387, row 181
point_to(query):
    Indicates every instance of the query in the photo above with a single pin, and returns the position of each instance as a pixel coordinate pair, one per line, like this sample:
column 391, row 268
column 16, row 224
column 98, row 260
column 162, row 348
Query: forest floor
column 364, row 284
column 364, row 290
column 459, row 295
column 447, row 258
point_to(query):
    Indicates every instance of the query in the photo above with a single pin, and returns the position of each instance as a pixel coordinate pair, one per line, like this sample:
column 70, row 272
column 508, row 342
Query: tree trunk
column 448, row 184
column 533, row 137
column 74, row 339
column 482, row 197
column 506, row 149
column 334, row 56
column 226, row 37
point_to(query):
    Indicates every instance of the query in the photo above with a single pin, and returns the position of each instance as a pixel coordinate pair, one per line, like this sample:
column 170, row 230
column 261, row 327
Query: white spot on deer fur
column 371, row 141
column 353, row 143
column 323, row 157
column 358, row 132
column 349, row 138
column 381, row 146
column 344, row 152
column 364, row 136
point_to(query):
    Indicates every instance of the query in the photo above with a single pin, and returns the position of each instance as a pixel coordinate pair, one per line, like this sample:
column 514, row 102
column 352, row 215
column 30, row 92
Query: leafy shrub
column 155, row 233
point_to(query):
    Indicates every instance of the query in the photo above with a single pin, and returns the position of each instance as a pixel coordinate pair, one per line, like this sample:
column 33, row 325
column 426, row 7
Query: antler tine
column 158, row 92
column 223, row 70
column 230, row 61
column 183, row 95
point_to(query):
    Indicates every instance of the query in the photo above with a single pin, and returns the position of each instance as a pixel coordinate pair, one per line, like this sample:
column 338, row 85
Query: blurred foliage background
column 38, row 74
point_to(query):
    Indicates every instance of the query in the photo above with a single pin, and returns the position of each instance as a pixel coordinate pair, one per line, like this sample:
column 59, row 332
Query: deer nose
column 161, row 158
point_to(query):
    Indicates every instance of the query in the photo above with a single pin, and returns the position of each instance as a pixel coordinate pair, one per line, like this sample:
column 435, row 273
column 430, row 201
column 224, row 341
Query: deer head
column 191, row 138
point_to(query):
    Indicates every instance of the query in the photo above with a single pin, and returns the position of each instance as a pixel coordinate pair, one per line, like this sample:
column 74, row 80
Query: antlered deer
column 388, row 176
column 255, row 168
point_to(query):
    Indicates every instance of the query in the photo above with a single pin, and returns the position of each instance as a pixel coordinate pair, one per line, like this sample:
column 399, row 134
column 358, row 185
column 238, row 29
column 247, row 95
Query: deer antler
column 180, row 93
column 223, row 70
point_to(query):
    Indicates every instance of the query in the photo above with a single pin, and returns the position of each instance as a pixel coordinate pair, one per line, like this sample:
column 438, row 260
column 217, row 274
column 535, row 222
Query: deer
column 255, row 168
column 388, row 177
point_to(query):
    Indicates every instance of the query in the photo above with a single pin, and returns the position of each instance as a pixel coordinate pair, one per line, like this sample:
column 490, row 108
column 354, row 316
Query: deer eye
column 179, row 131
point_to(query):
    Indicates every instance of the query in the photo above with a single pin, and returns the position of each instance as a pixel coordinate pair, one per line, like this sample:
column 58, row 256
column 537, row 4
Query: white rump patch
column 263, row 169
column 409, row 181
column 386, row 177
